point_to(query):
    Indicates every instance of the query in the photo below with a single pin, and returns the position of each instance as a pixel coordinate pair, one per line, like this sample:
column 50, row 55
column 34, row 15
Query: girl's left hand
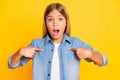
column 82, row 52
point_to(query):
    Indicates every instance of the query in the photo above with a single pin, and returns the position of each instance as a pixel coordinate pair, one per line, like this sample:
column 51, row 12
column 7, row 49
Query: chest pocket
column 69, row 57
column 72, row 58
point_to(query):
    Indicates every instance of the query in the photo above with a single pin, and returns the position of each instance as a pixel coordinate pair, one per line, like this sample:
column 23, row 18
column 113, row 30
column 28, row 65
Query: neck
column 57, row 41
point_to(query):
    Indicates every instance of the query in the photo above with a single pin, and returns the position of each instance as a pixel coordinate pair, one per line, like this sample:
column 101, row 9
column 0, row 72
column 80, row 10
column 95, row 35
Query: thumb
column 73, row 49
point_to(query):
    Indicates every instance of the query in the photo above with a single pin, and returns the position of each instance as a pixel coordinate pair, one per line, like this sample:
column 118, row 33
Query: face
column 56, row 24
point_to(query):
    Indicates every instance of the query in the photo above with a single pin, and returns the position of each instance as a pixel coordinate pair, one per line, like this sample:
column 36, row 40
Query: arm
column 26, row 52
column 96, row 57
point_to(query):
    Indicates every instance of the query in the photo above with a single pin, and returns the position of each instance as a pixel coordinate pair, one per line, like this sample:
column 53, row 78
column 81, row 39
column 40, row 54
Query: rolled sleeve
column 105, row 60
column 10, row 64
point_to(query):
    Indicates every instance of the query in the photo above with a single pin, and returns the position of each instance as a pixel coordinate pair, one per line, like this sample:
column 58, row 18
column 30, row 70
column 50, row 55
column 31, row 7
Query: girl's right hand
column 29, row 51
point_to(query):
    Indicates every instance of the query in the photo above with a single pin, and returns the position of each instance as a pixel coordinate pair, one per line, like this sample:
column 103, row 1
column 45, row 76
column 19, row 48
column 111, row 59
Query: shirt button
column 49, row 61
column 52, row 50
column 48, row 74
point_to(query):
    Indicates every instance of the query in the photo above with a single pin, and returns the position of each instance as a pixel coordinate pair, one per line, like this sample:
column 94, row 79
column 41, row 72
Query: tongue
column 55, row 31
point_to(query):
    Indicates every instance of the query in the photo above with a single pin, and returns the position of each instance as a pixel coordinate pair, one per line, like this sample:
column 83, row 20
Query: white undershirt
column 55, row 70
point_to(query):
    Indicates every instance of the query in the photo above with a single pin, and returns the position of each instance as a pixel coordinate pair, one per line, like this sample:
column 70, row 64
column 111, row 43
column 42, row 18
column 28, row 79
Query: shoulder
column 75, row 39
column 79, row 43
column 37, row 42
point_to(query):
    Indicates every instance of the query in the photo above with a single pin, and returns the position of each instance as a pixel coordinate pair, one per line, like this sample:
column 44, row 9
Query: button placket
column 49, row 62
column 52, row 50
column 48, row 74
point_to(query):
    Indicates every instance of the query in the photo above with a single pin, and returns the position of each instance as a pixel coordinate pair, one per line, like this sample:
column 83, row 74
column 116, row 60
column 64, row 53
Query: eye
column 60, row 19
column 49, row 19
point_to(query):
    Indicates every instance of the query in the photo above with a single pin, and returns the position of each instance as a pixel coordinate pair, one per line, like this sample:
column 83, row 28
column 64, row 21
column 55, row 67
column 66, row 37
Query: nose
column 55, row 23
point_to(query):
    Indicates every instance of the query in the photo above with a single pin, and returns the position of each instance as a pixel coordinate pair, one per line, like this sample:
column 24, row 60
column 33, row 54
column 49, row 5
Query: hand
column 29, row 51
column 82, row 52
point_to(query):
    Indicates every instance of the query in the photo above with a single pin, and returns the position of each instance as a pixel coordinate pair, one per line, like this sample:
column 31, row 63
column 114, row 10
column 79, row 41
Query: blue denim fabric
column 69, row 63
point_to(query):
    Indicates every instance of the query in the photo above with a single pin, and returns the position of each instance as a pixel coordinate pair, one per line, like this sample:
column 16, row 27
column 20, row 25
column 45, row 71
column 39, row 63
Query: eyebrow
column 52, row 16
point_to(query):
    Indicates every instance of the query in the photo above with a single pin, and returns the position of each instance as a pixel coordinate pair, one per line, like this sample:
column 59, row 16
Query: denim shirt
column 69, row 63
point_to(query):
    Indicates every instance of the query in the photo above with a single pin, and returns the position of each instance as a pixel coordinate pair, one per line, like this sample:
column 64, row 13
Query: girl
column 56, row 56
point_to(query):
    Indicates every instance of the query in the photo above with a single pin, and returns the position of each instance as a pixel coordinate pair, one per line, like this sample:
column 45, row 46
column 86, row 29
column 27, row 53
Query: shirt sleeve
column 83, row 44
column 22, row 61
column 104, row 58
column 105, row 61
column 10, row 64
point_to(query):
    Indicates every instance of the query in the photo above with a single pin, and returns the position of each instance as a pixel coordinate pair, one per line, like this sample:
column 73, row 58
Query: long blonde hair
column 63, row 11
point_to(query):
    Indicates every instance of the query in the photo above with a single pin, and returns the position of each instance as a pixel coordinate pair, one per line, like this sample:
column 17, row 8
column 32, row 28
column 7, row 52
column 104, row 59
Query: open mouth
column 56, row 31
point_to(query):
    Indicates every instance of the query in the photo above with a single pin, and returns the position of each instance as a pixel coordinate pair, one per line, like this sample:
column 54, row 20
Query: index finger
column 73, row 49
column 38, row 49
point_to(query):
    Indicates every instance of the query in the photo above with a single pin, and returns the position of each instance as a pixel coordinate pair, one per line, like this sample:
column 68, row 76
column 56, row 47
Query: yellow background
column 97, row 22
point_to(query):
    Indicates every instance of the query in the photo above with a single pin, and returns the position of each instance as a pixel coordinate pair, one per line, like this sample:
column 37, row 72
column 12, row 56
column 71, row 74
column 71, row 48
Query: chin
column 55, row 37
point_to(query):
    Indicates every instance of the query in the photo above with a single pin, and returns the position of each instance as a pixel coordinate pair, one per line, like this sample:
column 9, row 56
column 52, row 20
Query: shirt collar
column 66, row 38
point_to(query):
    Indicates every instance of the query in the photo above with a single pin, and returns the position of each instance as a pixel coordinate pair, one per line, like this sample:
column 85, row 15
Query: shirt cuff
column 10, row 64
column 105, row 61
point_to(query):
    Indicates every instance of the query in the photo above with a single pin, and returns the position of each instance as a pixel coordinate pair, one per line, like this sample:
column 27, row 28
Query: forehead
column 54, row 13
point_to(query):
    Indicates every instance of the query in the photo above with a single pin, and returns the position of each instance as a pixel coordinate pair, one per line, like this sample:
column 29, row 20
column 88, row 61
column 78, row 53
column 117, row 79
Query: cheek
column 48, row 26
column 62, row 29
column 49, row 29
column 63, row 26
